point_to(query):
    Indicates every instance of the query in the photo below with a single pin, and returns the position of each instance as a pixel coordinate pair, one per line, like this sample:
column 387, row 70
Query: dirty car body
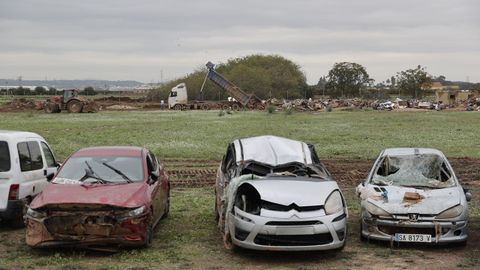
column 413, row 195
column 102, row 197
column 273, row 193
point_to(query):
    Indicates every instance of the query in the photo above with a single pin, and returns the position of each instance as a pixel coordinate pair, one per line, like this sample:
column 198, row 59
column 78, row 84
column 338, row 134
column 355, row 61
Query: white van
column 26, row 160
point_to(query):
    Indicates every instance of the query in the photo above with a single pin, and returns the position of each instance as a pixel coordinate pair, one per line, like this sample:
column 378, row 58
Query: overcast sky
column 141, row 40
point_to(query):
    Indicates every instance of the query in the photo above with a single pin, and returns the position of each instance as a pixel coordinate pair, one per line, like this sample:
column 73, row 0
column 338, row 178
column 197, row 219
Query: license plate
column 407, row 237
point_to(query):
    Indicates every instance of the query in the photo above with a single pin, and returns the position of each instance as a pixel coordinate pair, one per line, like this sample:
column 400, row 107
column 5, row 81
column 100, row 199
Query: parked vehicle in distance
column 25, row 161
column 100, row 197
column 273, row 193
column 413, row 195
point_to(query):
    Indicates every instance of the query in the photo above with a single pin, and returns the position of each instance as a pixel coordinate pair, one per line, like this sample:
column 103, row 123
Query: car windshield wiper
column 89, row 173
column 118, row 172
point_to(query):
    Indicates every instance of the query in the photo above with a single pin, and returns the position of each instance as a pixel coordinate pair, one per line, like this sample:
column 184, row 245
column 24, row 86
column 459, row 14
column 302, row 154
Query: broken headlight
column 35, row 214
column 334, row 203
column 135, row 212
column 376, row 211
column 451, row 212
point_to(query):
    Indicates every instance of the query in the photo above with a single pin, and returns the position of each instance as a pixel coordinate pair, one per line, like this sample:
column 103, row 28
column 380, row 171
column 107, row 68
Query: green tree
column 89, row 91
column 39, row 90
column 263, row 75
column 347, row 79
column 413, row 81
column 393, row 81
column 321, row 85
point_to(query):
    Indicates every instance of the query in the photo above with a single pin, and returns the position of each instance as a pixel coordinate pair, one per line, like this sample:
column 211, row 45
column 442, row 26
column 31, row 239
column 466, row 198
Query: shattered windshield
column 102, row 170
column 425, row 170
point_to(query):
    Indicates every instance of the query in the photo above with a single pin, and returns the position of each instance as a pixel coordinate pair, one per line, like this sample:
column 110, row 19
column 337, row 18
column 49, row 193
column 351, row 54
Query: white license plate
column 407, row 237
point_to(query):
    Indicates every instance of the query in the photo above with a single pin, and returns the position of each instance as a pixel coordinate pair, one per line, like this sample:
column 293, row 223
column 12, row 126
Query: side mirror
column 468, row 195
column 153, row 177
column 50, row 176
column 58, row 164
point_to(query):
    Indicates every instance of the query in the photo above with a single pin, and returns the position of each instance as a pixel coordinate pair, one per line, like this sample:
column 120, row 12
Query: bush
column 271, row 109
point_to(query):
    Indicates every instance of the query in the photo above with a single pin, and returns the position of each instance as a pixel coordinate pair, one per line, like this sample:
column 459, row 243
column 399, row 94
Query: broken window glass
column 425, row 170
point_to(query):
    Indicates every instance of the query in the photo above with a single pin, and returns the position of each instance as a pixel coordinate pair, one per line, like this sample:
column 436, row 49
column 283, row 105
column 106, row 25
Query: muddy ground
column 348, row 173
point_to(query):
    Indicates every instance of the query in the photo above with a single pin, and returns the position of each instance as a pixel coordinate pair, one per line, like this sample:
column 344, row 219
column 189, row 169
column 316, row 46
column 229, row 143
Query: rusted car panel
column 98, row 209
column 413, row 195
column 273, row 193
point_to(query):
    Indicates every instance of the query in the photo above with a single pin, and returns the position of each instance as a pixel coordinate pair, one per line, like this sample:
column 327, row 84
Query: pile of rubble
column 357, row 103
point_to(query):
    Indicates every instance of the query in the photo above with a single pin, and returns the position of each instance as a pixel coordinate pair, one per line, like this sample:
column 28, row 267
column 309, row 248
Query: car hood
column 119, row 195
column 404, row 200
column 287, row 192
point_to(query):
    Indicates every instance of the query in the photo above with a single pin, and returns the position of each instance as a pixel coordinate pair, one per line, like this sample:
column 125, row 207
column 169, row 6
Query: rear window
column 30, row 156
column 4, row 157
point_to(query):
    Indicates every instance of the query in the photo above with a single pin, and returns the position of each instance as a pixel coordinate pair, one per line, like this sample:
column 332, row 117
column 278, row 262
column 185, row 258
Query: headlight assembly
column 135, row 212
column 334, row 203
column 35, row 214
column 376, row 211
column 451, row 212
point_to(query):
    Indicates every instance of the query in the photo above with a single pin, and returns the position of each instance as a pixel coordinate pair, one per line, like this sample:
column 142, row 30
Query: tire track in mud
column 348, row 173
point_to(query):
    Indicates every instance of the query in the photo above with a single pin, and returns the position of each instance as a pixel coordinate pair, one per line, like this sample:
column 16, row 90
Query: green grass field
column 205, row 135
column 189, row 239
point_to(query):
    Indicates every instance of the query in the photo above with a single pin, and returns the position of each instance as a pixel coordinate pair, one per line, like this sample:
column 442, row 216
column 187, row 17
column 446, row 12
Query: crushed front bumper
column 127, row 233
column 293, row 231
column 441, row 231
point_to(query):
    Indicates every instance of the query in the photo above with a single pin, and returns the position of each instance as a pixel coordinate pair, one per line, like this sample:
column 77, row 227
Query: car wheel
column 362, row 238
column 217, row 216
column 227, row 242
column 148, row 236
column 167, row 206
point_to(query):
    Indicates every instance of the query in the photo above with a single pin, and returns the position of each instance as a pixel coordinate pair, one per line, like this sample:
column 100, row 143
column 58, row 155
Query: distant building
column 452, row 97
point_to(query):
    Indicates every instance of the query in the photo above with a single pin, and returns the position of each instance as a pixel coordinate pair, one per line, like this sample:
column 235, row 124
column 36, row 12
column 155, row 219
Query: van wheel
column 177, row 107
column 18, row 221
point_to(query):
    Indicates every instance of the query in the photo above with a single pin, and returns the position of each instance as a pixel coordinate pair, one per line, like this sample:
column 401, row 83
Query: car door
column 154, row 188
column 227, row 172
column 32, row 168
column 163, row 182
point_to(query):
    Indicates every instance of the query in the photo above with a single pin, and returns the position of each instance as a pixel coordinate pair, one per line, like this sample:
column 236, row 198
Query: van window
column 49, row 158
column 4, row 157
column 30, row 156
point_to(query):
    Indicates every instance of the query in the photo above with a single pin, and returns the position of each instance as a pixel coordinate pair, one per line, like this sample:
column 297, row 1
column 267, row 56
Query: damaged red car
column 101, row 197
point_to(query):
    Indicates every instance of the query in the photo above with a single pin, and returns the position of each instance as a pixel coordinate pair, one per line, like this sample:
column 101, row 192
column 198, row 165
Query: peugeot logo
column 413, row 217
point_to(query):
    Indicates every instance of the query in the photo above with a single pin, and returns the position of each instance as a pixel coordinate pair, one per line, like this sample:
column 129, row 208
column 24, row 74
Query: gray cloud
column 120, row 39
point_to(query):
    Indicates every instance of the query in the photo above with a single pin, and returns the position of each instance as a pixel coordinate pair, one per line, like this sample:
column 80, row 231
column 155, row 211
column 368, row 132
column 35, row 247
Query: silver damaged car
column 413, row 195
column 273, row 193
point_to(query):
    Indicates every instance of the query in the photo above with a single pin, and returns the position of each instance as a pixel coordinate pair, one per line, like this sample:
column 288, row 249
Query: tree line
column 272, row 76
column 40, row 90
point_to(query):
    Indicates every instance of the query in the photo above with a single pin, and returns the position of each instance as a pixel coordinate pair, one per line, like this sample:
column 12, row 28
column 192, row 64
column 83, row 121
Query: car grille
column 293, row 240
column 293, row 223
column 392, row 230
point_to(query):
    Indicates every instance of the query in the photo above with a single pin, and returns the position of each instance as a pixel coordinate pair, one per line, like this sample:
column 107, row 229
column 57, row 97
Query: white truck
column 178, row 97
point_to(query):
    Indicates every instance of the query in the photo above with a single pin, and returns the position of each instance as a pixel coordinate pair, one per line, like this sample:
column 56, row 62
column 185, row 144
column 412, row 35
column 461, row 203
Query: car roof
column 272, row 150
column 14, row 134
column 130, row 151
column 411, row 151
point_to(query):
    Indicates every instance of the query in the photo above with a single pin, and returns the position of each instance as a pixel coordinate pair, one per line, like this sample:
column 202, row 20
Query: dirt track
column 348, row 173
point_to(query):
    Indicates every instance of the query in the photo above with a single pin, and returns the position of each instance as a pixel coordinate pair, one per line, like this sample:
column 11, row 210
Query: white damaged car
column 413, row 195
column 273, row 193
